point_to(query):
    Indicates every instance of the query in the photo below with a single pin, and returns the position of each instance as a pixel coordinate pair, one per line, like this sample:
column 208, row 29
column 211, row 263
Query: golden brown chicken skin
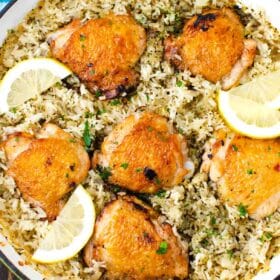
column 144, row 154
column 247, row 172
column 134, row 244
column 211, row 45
column 102, row 52
column 47, row 168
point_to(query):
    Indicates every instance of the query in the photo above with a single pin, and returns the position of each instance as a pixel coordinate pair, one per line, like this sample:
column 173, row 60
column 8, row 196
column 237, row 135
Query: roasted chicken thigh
column 132, row 242
column 247, row 172
column 212, row 44
column 46, row 167
column 144, row 154
column 102, row 52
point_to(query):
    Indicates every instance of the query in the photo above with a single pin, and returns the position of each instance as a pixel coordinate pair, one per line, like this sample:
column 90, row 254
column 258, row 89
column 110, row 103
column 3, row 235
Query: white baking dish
column 9, row 18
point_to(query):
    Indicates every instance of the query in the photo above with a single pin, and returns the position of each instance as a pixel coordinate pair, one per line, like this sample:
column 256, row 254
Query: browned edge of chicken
column 133, row 243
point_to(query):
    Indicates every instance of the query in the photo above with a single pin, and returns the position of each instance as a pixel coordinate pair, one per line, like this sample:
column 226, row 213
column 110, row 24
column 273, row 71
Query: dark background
column 5, row 274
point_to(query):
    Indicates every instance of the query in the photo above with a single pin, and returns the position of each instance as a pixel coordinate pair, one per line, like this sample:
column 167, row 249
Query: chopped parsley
column 212, row 221
column 267, row 236
column 242, row 210
column 101, row 111
column 179, row 83
column 180, row 130
column 157, row 181
column 139, row 169
column 86, row 135
column 115, row 102
column 67, row 175
column 104, row 172
column 204, row 242
column 82, row 37
column 279, row 154
column 72, row 140
column 234, row 148
column 211, row 232
column 116, row 189
column 13, row 110
column 161, row 193
column 250, row 171
column 89, row 115
column 163, row 246
column 124, row 165
column 98, row 93
column 230, row 254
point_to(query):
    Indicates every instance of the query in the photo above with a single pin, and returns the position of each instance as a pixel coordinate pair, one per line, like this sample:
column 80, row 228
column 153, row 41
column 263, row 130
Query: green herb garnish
column 163, row 246
column 86, row 135
column 116, row 189
column 211, row 232
column 157, row 180
column 235, row 148
column 100, row 112
column 242, row 210
column 204, row 242
column 161, row 193
column 179, row 83
column 82, row 37
column 230, row 254
column 115, row 102
column 89, row 115
column 250, row 171
column 180, row 130
column 124, row 165
column 139, row 169
column 267, row 236
column 212, row 221
column 98, row 93
column 104, row 172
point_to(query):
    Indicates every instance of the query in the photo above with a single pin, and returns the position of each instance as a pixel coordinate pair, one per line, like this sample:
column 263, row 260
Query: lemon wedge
column 264, row 90
column 70, row 232
column 29, row 78
column 252, row 109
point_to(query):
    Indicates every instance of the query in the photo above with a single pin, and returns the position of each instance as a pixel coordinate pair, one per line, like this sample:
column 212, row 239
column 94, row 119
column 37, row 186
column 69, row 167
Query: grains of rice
column 222, row 245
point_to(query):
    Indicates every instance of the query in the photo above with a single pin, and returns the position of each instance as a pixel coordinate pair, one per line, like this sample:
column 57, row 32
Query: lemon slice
column 248, row 117
column 70, row 232
column 264, row 90
column 28, row 79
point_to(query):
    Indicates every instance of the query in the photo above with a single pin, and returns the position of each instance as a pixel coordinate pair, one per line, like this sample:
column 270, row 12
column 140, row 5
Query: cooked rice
column 222, row 245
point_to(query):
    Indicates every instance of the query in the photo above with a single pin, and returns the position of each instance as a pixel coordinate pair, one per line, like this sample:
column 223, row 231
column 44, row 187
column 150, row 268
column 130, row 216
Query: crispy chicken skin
column 144, row 154
column 247, row 172
column 47, row 167
column 102, row 52
column 126, row 238
column 211, row 45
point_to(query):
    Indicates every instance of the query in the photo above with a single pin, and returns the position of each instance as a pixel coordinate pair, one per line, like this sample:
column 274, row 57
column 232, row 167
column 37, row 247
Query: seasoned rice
column 221, row 244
